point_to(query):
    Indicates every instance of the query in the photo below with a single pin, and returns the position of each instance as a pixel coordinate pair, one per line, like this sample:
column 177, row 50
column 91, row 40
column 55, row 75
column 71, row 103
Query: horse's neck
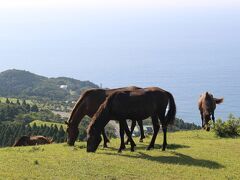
column 100, row 120
column 78, row 115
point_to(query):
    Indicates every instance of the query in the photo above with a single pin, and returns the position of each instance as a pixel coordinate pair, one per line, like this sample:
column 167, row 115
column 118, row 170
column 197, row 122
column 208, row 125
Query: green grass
column 39, row 123
column 190, row 155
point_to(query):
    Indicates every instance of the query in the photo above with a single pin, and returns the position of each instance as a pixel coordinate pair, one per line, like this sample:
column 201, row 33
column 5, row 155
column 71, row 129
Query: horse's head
column 93, row 140
column 72, row 132
column 208, row 96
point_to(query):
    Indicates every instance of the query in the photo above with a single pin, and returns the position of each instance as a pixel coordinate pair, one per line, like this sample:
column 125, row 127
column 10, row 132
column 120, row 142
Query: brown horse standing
column 88, row 105
column 135, row 105
column 32, row 140
column 207, row 105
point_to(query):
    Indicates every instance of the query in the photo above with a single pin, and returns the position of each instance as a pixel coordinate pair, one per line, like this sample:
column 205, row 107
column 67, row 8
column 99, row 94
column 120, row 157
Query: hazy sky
column 95, row 39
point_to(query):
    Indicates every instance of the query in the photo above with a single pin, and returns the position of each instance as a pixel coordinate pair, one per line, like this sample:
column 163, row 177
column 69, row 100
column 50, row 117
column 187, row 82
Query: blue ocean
column 186, row 80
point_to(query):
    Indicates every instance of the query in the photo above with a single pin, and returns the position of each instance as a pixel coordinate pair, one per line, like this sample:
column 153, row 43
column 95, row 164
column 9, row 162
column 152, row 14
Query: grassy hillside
column 191, row 155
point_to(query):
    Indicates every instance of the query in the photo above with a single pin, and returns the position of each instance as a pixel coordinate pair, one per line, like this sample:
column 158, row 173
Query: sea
column 186, row 79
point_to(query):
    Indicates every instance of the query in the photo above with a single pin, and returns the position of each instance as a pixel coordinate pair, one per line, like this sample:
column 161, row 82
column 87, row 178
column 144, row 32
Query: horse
column 32, row 140
column 88, row 104
column 138, row 104
column 207, row 105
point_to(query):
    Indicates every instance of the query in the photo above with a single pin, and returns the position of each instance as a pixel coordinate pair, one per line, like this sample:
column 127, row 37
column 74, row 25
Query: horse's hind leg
column 105, row 139
column 132, row 129
column 156, row 128
column 140, row 123
column 164, row 128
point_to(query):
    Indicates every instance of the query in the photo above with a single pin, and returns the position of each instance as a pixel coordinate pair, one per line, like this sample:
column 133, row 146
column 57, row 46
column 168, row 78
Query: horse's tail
column 218, row 101
column 171, row 114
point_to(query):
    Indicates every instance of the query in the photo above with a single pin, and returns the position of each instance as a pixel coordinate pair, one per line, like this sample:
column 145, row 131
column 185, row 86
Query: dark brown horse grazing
column 32, row 140
column 207, row 105
column 138, row 104
column 88, row 104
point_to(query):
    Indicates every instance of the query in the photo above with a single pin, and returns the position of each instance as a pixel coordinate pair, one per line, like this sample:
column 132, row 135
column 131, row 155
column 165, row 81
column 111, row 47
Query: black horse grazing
column 207, row 105
column 88, row 105
column 138, row 104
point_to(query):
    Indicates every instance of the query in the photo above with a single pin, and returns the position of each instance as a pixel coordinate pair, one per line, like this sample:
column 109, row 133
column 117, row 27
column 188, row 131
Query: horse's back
column 39, row 140
column 138, row 103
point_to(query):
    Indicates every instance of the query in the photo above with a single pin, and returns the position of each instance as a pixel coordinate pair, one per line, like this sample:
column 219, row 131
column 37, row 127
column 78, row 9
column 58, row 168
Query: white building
column 64, row 87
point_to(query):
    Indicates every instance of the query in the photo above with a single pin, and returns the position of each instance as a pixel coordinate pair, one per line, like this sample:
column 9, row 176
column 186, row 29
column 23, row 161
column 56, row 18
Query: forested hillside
column 24, row 84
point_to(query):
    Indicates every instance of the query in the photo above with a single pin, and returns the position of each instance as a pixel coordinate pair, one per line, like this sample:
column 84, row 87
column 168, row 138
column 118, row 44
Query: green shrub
column 229, row 128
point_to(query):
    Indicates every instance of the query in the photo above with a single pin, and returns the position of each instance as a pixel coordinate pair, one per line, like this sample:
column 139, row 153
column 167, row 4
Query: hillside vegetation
column 190, row 155
column 24, row 84
column 42, row 123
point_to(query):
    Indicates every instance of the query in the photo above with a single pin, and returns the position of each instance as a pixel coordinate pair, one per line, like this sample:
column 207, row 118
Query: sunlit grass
column 190, row 155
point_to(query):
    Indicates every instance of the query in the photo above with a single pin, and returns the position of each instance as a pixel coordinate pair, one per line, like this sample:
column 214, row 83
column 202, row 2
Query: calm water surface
column 186, row 80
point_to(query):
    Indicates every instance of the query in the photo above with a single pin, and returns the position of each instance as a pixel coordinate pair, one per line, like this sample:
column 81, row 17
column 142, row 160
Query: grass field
column 190, row 155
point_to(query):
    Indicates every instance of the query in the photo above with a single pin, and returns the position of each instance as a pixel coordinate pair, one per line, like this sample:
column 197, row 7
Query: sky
column 98, row 40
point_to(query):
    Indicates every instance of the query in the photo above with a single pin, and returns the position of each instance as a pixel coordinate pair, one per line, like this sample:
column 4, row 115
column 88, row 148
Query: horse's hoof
column 123, row 147
column 149, row 148
column 119, row 151
column 132, row 150
column 163, row 149
column 105, row 146
column 140, row 140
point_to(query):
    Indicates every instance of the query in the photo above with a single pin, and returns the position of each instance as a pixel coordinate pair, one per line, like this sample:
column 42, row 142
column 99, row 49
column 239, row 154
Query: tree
column 34, row 108
column 18, row 102
column 7, row 101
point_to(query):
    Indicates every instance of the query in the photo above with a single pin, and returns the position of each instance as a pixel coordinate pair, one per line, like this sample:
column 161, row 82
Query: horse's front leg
column 202, row 119
column 213, row 117
column 140, row 123
column 124, row 123
column 122, row 145
column 132, row 129
column 105, row 139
